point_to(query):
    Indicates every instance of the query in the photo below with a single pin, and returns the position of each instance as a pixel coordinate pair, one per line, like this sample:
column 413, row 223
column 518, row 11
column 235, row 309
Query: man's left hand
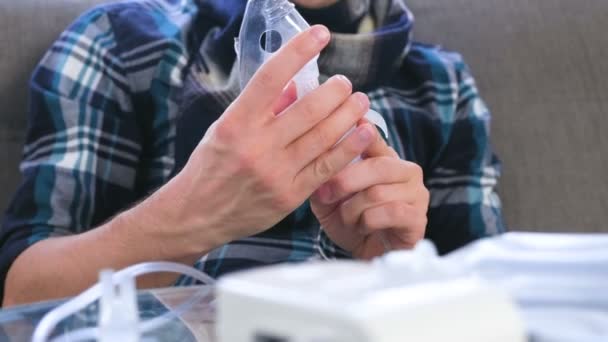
column 373, row 204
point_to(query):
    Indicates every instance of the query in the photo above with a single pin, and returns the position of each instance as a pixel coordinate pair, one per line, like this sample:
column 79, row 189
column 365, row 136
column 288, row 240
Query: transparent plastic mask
column 268, row 25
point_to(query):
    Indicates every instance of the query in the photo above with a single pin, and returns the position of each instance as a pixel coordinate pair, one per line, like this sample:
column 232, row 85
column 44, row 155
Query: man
column 140, row 147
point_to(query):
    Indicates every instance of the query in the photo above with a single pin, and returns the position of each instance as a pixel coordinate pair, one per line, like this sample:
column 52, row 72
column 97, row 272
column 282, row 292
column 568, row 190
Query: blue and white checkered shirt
column 125, row 94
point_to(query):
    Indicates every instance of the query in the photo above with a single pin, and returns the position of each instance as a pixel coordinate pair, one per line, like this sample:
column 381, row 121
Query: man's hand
column 250, row 170
column 380, row 200
column 253, row 168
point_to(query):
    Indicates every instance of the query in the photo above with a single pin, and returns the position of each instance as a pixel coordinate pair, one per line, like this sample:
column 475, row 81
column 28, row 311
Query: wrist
column 167, row 227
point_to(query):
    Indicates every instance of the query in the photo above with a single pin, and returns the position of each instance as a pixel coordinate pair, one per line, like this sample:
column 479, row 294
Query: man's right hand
column 253, row 167
column 250, row 170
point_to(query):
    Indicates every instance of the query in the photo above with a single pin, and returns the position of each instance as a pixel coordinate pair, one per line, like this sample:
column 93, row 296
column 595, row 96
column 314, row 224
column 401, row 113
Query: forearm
column 65, row 266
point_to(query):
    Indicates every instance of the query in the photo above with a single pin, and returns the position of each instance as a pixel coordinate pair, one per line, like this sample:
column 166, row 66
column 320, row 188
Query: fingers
column 329, row 132
column 287, row 98
column 368, row 173
column 353, row 208
column 270, row 80
column 312, row 109
column 405, row 221
column 329, row 163
column 380, row 149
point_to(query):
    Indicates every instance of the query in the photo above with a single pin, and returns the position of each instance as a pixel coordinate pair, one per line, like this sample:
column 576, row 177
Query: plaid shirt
column 124, row 95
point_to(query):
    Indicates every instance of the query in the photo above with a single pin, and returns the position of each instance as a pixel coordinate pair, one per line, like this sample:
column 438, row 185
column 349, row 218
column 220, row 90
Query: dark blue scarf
column 365, row 58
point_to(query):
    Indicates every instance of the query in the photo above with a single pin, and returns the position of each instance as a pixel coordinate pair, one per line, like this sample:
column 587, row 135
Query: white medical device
column 404, row 296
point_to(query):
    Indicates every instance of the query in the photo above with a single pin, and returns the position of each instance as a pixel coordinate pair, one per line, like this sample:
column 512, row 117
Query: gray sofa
column 542, row 66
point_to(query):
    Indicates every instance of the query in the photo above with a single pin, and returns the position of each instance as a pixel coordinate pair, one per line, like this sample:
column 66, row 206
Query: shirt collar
column 367, row 59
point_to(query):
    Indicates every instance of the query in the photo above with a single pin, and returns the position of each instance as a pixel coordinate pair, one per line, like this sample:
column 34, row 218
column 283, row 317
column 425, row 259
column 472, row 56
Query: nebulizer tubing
column 53, row 318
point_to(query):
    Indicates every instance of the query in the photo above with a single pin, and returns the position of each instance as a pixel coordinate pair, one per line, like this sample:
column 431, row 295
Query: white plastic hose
column 50, row 320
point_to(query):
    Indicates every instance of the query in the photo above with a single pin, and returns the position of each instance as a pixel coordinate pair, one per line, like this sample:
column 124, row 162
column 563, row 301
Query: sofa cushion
column 542, row 66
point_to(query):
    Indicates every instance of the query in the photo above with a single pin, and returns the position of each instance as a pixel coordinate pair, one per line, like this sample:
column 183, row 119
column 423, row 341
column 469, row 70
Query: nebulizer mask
column 268, row 25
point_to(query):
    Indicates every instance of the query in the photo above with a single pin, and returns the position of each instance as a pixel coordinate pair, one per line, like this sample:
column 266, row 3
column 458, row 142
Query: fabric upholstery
column 542, row 67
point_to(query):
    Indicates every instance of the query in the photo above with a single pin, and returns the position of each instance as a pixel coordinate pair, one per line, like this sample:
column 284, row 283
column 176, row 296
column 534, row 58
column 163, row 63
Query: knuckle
column 246, row 161
column 418, row 232
column 268, row 182
column 417, row 222
column 416, row 170
column 263, row 79
column 224, row 131
column 426, row 195
column 424, row 221
column 282, row 201
column 323, row 169
column 397, row 210
column 293, row 203
column 381, row 164
column 290, row 202
column 368, row 221
column 391, row 169
column 308, row 108
column 344, row 218
column 376, row 194
column 322, row 138
column 391, row 152
column 346, row 215
column 341, row 185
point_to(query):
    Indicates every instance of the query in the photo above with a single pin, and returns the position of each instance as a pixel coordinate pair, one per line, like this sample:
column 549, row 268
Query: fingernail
column 321, row 33
column 365, row 134
column 345, row 80
column 362, row 99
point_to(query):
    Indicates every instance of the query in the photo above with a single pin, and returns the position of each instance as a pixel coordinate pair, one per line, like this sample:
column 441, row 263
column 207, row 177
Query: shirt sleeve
column 464, row 205
column 82, row 146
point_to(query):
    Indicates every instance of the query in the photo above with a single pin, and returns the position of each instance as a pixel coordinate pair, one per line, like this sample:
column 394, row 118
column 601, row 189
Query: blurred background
column 541, row 65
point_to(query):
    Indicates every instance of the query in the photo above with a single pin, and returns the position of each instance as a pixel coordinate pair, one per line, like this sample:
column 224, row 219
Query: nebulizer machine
column 400, row 296
column 118, row 314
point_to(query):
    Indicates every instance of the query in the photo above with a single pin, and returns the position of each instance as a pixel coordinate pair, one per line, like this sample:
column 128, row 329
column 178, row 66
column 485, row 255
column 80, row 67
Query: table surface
column 195, row 324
